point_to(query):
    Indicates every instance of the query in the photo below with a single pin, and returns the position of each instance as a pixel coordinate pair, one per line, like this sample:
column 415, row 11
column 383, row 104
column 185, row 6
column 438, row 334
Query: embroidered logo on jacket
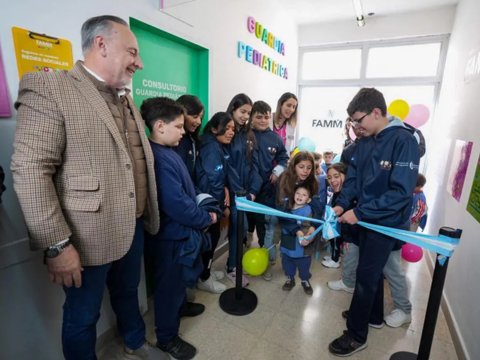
column 272, row 150
column 218, row 167
column 385, row 165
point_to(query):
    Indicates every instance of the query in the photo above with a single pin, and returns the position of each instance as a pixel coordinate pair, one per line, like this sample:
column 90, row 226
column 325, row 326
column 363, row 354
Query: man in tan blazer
column 83, row 172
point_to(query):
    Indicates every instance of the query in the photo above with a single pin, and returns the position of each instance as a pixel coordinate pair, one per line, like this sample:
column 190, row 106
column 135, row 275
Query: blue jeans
column 81, row 309
column 170, row 290
column 291, row 264
column 270, row 224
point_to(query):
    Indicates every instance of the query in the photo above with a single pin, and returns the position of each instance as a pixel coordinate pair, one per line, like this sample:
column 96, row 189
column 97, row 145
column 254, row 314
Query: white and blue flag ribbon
column 440, row 244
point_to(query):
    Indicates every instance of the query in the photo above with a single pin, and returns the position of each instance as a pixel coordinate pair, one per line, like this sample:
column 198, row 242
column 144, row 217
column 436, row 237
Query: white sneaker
column 146, row 351
column 397, row 318
column 232, row 276
column 217, row 274
column 331, row 264
column 211, row 285
column 340, row 285
column 267, row 275
column 327, row 258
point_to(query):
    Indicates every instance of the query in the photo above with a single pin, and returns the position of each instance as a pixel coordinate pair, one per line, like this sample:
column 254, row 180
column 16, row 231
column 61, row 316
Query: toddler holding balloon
column 297, row 254
column 296, row 246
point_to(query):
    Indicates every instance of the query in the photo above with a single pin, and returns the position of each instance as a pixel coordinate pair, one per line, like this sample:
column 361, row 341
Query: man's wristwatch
column 55, row 250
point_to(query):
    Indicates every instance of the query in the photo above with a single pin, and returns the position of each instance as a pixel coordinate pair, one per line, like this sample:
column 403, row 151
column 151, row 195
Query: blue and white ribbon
column 440, row 244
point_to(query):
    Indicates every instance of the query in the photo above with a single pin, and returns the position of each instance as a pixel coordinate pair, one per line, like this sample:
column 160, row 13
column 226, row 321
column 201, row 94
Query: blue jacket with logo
column 382, row 176
column 272, row 158
column 188, row 151
column 247, row 169
column 176, row 197
column 213, row 170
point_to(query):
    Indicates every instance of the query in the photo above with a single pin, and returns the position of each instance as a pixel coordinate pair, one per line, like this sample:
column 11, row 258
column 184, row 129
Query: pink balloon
column 412, row 253
column 351, row 133
column 418, row 115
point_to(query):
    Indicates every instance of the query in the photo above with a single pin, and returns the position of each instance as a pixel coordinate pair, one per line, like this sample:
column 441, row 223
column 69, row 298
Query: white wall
column 457, row 118
column 432, row 22
column 33, row 307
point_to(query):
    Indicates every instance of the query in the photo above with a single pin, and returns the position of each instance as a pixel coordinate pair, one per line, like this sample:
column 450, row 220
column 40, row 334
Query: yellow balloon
column 399, row 108
column 255, row 261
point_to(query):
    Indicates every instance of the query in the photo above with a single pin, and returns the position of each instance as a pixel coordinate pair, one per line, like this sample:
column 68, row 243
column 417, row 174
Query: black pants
column 367, row 301
column 257, row 221
column 207, row 257
column 335, row 244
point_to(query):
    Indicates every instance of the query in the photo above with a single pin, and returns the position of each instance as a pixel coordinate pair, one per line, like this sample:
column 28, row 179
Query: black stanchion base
column 403, row 355
column 243, row 304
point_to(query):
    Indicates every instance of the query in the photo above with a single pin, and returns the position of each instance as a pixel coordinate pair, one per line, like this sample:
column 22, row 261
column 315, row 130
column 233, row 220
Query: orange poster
column 40, row 52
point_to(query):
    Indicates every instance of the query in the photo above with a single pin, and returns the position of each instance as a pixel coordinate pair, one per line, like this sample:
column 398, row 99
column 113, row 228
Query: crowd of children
column 245, row 151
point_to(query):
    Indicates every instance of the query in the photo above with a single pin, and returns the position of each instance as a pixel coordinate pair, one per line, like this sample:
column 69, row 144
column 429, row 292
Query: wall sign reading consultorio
column 255, row 57
column 153, row 88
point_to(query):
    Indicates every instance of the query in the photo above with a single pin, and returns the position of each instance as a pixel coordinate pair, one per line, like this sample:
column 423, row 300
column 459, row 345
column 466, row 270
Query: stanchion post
column 238, row 300
column 434, row 300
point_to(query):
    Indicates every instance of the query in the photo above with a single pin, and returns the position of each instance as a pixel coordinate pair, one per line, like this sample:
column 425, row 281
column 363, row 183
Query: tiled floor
column 292, row 325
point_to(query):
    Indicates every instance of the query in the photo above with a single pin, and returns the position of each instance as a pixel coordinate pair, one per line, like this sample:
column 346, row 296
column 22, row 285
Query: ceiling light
column 357, row 5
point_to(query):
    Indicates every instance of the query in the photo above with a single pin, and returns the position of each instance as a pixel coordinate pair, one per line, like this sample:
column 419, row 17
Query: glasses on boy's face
column 358, row 121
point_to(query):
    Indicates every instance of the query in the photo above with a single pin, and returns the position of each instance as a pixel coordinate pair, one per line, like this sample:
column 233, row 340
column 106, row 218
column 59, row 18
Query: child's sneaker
column 267, row 275
column 217, row 274
column 289, row 284
column 331, row 264
column 397, row 318
column 345, row 345
column 211, row 285
column 232, row 276
column 340, row 285
column 307, row 287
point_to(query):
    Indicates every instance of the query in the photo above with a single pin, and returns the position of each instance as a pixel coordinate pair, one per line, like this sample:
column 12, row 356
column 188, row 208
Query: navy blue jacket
column 272, row 157
column 176, row 196
column 213, row 171
column 381, row 176
column 188, row 151
column 246, row 169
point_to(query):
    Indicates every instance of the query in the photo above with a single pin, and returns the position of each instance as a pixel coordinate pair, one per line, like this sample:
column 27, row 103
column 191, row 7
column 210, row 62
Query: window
column 403, row 61
column 339, row 64
column 408, row 69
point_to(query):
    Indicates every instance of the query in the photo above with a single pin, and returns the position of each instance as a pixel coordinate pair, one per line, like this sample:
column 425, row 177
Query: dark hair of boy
column 238, row 101
column 366, row 100
column 293, row 118
column 340, row 167
column 421, row 180
column 160, row 108
column 260, row 107
column 218, row 122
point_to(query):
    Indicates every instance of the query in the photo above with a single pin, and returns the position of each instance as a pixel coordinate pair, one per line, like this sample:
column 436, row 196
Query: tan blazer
column 71, row 170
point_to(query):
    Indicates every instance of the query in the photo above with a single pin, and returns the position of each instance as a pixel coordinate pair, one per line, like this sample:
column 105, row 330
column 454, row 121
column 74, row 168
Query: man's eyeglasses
column 356, row 122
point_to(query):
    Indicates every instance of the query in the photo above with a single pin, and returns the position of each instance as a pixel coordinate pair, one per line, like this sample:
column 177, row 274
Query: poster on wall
column 473, row 205
column 458, row 168
column 40, row 52
column 5, row 108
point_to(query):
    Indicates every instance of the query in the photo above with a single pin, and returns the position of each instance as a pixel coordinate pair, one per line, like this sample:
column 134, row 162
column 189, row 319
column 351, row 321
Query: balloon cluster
column 304, row 144
column 416, row 115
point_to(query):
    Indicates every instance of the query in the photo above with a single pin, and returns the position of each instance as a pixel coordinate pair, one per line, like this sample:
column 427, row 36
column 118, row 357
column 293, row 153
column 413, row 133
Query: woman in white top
column 284, row 120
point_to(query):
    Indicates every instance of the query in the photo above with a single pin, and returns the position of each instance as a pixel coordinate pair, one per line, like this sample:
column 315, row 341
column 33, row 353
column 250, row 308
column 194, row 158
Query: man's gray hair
column 98, row 25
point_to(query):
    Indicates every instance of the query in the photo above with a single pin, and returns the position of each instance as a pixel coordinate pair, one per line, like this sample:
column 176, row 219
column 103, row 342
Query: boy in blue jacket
column 180, row 216
column 272, row 161
column 382, row 175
